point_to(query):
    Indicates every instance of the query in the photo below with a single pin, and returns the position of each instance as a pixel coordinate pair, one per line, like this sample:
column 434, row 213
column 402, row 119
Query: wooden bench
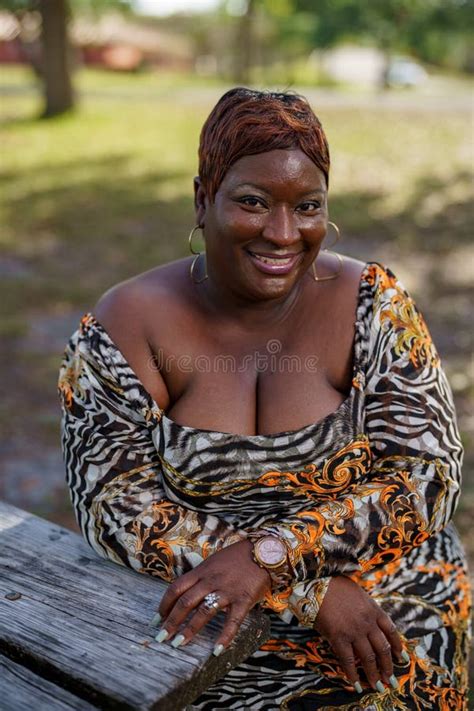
column 75, row 633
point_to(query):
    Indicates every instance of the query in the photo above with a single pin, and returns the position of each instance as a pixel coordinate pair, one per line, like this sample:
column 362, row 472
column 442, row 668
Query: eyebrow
column 320, row 191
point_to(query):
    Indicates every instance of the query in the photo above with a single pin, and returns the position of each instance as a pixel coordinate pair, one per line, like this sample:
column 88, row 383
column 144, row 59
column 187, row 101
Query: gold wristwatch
column 270, row 553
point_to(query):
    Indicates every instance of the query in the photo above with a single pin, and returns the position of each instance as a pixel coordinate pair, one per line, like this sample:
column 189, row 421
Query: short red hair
column 245, row 122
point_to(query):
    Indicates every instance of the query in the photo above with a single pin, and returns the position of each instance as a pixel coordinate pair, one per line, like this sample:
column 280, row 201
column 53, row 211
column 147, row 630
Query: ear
column 200, row 201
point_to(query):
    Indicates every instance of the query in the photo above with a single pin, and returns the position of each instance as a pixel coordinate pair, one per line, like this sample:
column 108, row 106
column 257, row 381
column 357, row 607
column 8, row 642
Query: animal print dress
column 368, row 492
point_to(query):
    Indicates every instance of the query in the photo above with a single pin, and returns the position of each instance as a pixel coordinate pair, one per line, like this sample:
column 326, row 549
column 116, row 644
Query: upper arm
column 122, row 311
column 409, row 403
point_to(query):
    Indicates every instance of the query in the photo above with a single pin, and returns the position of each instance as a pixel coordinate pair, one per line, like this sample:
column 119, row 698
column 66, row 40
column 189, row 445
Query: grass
column 141, row 152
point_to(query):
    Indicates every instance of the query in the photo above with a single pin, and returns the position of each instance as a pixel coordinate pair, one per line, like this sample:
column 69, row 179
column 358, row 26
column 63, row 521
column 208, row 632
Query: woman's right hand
column 358, row 629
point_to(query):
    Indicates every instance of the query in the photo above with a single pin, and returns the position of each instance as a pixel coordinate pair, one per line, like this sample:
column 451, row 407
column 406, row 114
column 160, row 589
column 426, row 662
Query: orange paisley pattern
column 338, row 473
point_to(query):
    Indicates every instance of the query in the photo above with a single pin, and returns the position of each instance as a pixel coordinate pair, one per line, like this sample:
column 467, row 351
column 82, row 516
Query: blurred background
column 101, row 108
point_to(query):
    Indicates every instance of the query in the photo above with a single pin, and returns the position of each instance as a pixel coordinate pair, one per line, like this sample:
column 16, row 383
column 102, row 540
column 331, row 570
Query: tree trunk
column 244, row 45
column 59, row 96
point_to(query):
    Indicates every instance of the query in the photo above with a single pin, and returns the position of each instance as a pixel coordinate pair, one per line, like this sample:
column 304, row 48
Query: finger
column 202, row 615
column 183, row 607
column 368, row 660
column 234, row 618
column 175, row 590
column 389, row 629
column 345, row 653
column 383, row 649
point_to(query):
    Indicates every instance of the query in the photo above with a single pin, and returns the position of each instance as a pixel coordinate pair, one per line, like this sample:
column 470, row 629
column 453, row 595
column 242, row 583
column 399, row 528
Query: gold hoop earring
column 191, row 270
column 198, row 254
column 338, row 256
column 190, row 239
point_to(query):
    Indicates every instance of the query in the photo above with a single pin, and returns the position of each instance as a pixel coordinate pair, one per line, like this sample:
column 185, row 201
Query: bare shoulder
column 125, row 307
column 126, row 310
column 347, row 284
column 339, row 297
column 352, row 271
column 337, row 313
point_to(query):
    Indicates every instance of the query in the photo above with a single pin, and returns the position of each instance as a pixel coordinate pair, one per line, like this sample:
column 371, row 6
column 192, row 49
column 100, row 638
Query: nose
column 280, row 226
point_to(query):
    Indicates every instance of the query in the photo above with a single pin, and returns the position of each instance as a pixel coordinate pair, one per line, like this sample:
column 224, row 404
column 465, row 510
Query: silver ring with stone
column 211, row 601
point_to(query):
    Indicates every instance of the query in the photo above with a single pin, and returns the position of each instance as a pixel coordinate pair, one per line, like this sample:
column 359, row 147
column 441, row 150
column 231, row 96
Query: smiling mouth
column 277, row 260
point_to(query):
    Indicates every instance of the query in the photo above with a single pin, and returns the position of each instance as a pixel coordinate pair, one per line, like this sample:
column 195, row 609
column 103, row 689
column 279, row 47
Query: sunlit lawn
column 108, row 190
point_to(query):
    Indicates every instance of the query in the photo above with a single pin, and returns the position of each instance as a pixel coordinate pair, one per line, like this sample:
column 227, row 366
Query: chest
column 280, row 379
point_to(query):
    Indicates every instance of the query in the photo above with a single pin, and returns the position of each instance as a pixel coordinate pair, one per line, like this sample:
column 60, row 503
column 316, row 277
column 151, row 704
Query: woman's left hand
column 233, row 575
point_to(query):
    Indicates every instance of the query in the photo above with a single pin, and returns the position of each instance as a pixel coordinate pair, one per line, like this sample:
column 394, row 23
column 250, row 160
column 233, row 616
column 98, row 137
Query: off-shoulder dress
column 368, row 492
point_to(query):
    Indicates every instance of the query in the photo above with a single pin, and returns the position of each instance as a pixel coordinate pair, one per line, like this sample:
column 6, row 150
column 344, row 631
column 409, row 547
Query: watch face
column 271, row 551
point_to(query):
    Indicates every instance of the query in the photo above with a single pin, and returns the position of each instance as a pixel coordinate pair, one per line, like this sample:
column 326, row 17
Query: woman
column 267, row 422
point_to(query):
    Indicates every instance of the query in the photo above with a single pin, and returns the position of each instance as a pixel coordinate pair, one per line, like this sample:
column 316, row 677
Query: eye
column 310, row 206
column 251, row 201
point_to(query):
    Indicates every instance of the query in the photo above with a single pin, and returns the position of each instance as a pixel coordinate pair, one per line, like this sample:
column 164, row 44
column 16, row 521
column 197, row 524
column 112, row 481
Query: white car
column 405, row 73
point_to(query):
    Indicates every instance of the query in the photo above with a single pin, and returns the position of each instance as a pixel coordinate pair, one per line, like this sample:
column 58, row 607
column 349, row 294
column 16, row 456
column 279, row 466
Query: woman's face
column 266, row 224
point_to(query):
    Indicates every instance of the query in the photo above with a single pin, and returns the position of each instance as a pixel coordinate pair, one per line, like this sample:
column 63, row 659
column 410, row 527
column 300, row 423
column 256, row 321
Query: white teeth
column 268, row 260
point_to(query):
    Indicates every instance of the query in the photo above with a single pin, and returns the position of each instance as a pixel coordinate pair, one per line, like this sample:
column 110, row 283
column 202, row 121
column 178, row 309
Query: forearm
column 400, row 503
column 384, row 518
column 127, row 518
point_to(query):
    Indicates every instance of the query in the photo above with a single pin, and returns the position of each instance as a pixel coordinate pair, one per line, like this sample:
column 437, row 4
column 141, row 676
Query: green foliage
column 437, row 31
column 75, row 5
column 18, row 5
column 100, row 5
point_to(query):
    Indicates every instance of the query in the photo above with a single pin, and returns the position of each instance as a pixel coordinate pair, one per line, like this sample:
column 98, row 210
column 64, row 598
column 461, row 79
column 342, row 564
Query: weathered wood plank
column 85, row 622
column 23, row 689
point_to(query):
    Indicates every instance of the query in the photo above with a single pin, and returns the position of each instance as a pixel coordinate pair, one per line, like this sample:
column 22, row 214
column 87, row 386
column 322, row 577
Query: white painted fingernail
column 156, row 620
column 178, row 640
column 358, row 687
column 162, row 635
column 380, row 687
column 218, row 649
column 405, row 656
column 393, row 681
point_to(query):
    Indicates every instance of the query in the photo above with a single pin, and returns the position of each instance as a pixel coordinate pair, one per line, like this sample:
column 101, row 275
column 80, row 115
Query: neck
column 247, row 312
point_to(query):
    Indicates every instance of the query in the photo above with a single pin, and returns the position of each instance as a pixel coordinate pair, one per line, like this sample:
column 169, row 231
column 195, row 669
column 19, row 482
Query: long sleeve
column 113, row 470
column 412, row 487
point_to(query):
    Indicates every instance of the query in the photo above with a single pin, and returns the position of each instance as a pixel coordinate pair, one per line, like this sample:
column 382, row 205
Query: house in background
column 111, row 41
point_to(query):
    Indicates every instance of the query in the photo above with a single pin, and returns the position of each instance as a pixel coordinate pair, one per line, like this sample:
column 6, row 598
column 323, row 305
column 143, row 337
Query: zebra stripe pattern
column 371, row 489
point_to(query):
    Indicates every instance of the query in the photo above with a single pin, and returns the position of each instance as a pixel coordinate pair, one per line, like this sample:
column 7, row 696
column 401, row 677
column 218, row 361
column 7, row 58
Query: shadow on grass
column 97, row 226
column 437, row 217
